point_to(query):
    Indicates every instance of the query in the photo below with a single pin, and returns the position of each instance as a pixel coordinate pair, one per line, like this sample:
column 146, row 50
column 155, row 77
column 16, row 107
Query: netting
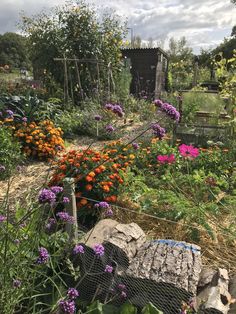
column 162, row 272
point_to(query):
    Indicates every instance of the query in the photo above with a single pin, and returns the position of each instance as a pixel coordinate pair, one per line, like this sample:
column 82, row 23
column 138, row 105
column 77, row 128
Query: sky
column 204, row 23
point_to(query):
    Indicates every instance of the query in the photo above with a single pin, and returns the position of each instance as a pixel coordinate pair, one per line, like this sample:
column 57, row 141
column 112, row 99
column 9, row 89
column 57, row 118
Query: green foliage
column 13, row 50
column 226, row 73
column 10, row 152
column 151, row 309
column 181, row 64
column 75, row 30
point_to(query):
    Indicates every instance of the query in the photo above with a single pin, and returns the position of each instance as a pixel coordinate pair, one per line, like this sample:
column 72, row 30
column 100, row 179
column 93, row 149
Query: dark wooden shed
column 148, row 67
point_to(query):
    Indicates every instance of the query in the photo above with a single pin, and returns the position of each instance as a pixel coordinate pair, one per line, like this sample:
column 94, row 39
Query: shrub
column 10, row 153
column 40, row 140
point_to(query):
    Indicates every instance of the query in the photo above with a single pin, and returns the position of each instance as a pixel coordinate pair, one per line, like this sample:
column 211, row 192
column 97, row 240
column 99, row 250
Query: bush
column 40, row 140
column 10, row 153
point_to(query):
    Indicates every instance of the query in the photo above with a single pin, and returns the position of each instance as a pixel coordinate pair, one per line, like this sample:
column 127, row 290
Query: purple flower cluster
column 66, row 200
column 158, row 131
column 123, row 290
column 67, row 306
column 2, row 168
column 3, row 218
column 51, row 222
column 99, row 249
column 135, row 146
column 78, row 249
column 72, row 293
column 24, row 119
column 65, row 217
column 16, row 283
column 10, row 114
column 98, row 117
column 43, row 256
column 47, row 196
column 106, row 206
column 102, row 205
column 110, row 128
column 168, row 109
column 117, row 109
column 56, row 189
column 108, row 269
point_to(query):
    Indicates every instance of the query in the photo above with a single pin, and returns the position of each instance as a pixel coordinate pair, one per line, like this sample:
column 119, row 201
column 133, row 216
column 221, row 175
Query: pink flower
column 162, row 159
column 171, row 159
column 188, row 151
column 166, row 159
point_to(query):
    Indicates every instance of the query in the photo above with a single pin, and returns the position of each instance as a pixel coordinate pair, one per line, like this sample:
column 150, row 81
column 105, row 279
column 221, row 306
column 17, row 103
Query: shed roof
column 146, row 49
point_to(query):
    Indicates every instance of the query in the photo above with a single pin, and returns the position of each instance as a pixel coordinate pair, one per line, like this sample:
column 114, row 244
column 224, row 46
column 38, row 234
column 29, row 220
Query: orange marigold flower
column 88, row 187
column 88, row 179
column 106, row 188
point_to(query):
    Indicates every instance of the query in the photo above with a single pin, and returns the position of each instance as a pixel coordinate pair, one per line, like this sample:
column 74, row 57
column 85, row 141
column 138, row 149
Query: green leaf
column 151, row 309
column 95, row 308
column 128, row 308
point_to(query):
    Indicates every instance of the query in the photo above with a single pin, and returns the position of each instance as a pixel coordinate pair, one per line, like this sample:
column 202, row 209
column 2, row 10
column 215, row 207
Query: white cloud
column 203, row 22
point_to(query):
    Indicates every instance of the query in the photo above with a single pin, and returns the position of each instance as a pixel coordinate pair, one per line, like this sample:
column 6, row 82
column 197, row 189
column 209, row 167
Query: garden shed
column 148, row 67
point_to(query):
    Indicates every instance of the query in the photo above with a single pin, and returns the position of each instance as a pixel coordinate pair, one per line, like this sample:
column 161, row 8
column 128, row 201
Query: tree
column 181, row 63
column 13, row 50
column 74, row 30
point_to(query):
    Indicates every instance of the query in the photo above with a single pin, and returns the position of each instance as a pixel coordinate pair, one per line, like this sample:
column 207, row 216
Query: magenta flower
column 108, row 269
column 98, row 249
column 65, row 217
column 67, row 306
column 65, row 200
column 3, row 218
column 56, row 189
column 166, row 159
column 188, row 151
column 78, row 249
column 43, row 256
column 72, row 293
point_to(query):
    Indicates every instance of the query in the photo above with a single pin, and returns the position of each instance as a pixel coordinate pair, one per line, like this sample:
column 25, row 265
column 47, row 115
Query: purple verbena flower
column 158, row 131
column 102, row 205
column 10, row 113
column 78, row 249
column 24, row 119
column 168, row 109
column 110, row 128
column 98, row 117
column 3, row 218
column 67, row 306
column 108, row 106
column 65, row 217
column 43, row 256
column 72, row 293
column 121, row 286
column 98, row 249
column 135, row 146
column 47, row 196
column 108, row 269
column 124, row 294
column 117, row 109
column 17, row 241
column 16, row 283
column 50, row 223
column 109, row 212
column 66, row 200
column 56, row 189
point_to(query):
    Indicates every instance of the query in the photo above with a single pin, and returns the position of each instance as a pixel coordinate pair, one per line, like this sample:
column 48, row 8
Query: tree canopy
column 73, row 30
column 13, row 50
